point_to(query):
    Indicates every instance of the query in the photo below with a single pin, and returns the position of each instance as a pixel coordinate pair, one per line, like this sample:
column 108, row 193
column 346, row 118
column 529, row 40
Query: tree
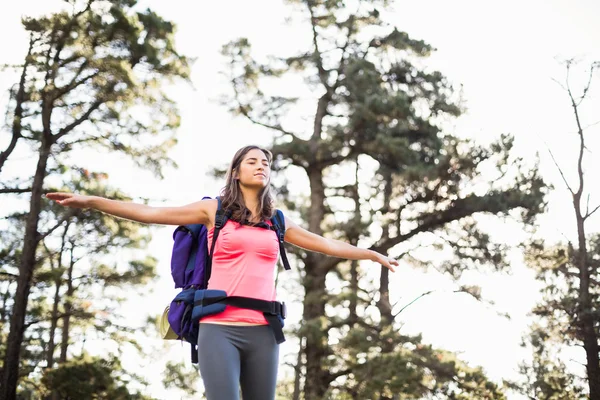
column 79, row 285
column 92, row 78
column 547, row 377
column 569, row 272
column 378, row 113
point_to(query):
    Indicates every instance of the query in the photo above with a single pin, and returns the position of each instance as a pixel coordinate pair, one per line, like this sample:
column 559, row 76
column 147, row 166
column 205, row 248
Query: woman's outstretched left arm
column 300, row 237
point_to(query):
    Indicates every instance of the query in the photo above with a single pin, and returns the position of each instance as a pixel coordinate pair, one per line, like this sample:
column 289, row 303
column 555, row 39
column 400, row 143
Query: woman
column 237, row 345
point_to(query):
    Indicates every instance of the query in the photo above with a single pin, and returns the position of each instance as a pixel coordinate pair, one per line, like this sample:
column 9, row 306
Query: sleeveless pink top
column 243, row 264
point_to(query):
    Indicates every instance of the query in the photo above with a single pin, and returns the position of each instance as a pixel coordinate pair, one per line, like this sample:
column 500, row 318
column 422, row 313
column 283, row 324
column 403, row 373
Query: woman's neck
column 252, row 203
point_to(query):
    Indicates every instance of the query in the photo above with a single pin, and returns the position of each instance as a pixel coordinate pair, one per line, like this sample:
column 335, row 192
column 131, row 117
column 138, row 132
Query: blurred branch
column 14, row 190
column 589, row 213
column 589, row 83
column 242, row 109
column 8, row 274
column 412, row 302
column 18, row 114
column 68, row 215
column 560, row 171
column 317, row 53
column 83, row 118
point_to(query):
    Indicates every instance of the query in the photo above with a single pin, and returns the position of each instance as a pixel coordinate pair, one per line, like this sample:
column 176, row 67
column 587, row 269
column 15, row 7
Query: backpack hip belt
column 212, row 301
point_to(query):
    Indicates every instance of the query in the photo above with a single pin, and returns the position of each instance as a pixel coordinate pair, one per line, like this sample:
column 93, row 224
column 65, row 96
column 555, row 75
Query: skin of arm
column 200, row 212
column 300, row 237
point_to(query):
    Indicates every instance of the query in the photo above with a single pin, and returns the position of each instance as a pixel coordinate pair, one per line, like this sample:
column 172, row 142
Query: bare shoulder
column 208, row 207
column 289, row 223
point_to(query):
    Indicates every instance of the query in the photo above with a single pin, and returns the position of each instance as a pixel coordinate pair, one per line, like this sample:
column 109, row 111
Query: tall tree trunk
column 4, row 312
column 10, row 378
column 52, row 342
column 586, row 314
column 317, row 349
column 66, row 325
column 57, row 269
column 384, row 305
column 590, row 339
column 353, row 238
column 53, row 324
column 298, row 370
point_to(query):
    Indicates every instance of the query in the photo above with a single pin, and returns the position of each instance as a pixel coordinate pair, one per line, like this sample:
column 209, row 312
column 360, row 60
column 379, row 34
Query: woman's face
column 254, row 170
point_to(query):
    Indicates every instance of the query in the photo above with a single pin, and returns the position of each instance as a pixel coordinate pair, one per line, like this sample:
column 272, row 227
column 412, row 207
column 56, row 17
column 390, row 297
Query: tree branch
column 589, row 214
column 587, row 86
column 68, row 215
column 61, row 91
column 8, row 274
column 412, row 302
column 560, row 171
column 317, row 53
column 460, row 208
column 577, row 195
column 343, row 56
column 14, row 190
column 20, row 99
column 243, row 110
column 334, row 376
column 79, row 120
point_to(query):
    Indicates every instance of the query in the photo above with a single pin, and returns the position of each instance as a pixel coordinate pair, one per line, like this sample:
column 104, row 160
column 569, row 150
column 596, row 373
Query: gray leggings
column 230, row 356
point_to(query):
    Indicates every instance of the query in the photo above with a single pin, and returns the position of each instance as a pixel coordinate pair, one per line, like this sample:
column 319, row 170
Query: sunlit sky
column 505, row 56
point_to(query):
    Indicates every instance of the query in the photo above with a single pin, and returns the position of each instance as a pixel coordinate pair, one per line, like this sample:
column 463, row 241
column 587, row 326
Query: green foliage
column 378, row 361
column 179, row 376
column 547, row 377
column 88, row 377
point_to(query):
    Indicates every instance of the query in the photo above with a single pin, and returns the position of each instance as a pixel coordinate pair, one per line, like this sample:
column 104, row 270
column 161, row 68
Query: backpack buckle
column 283, row 312
column 219, row 220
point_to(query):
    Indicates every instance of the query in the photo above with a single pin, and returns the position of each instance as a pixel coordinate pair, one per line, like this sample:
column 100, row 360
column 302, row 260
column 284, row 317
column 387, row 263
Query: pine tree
column 92, row 78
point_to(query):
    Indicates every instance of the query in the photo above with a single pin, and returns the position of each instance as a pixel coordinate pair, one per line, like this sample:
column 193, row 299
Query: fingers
column 58, row 196
column 390, row 263
column 64, row 199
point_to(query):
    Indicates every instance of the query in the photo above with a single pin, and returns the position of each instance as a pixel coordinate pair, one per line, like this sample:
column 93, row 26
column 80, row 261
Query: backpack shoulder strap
column 221, row 219
column 278, row 222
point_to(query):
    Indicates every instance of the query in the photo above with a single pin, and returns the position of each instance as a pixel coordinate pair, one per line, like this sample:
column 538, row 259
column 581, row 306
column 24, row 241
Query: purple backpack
column 191, row 264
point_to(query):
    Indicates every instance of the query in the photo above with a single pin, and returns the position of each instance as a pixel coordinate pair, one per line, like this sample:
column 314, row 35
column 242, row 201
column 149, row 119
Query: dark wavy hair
column 231, row 195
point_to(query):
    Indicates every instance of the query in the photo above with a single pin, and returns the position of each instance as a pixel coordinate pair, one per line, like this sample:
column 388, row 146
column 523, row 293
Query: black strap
column 276, row 327
column 221, row 219
column 194, row 353
column 272, row 310
column 278, row 222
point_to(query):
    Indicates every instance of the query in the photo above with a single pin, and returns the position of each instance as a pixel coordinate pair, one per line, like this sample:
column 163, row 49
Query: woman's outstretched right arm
column 200, row 212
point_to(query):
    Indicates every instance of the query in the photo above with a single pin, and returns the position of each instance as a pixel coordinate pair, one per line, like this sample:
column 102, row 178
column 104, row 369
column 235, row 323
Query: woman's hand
column 71, row 199
column 386, row 261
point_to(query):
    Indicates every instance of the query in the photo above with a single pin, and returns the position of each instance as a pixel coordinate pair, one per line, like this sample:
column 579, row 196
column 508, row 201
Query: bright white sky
column 502, row 53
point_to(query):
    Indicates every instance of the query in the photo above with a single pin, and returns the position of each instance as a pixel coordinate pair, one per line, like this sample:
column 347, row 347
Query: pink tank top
column 243, row 264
